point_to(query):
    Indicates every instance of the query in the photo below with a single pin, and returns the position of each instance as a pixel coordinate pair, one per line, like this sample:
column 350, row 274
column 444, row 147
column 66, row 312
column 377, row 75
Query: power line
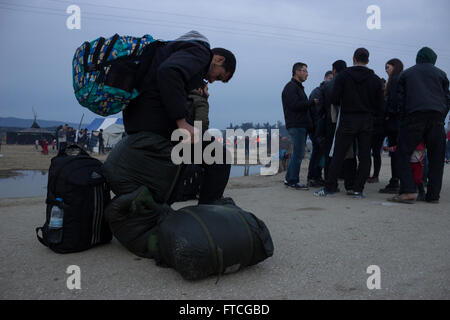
column 283, row 27
column 240, row 32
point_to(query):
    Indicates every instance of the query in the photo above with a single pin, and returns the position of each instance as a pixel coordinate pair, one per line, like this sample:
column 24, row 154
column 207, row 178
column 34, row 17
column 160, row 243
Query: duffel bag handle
column 63, row 150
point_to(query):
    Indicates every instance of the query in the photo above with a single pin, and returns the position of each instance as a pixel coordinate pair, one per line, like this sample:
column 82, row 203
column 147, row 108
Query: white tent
column 113, row 131
column 113, row 134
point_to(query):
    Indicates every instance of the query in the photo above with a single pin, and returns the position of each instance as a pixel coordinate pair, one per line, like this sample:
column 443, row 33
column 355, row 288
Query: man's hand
column 316, row 101
column 194, row 134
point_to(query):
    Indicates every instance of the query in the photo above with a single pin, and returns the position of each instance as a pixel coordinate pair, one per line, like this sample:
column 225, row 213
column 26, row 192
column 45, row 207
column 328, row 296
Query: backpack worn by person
column 106, row 71
column 76, row 197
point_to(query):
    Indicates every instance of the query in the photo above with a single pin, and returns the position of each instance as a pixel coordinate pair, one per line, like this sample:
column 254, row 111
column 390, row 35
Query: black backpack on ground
column 76, row 186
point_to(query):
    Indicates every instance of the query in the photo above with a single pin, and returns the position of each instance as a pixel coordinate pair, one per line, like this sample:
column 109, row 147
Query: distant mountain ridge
column 26, row 123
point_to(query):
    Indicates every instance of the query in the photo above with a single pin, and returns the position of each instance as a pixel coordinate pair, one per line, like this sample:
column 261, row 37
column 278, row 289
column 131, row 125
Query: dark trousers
column 330, row 128
column 417, row 127
column 214, row 182
column 101, row 148
column 376, row 145
column 314, row 169
column 351, row 127
column 298, row 136
column 392, row 136
column 447, row 151
column 350, row 170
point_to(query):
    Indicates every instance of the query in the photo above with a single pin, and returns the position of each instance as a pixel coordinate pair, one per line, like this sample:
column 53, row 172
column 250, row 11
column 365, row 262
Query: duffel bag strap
column 218, row 252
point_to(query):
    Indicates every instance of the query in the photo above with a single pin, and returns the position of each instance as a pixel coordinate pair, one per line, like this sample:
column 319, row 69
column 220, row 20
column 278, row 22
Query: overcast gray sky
column 266, row 36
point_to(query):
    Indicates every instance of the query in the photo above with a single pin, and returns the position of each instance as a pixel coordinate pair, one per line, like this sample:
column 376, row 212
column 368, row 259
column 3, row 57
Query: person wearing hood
column 424, row 101
column 317, row 114
column 198, row 109
column 359, row 93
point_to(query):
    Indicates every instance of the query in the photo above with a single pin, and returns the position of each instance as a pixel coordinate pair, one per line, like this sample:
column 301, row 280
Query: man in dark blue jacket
column 297, row 114
column 424, row 101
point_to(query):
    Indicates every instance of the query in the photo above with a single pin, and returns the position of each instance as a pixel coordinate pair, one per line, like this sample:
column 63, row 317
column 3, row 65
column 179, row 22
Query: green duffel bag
column 197, row 241
column 204, row 240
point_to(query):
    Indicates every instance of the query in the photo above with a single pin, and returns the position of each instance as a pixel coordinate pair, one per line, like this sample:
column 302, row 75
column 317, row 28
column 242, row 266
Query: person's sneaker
column 358, row 195
column 297, row 186
column 322, row 192
column 390, row 189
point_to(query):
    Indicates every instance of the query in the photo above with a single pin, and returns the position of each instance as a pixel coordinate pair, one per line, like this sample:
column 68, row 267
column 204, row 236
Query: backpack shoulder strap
column 41, row 239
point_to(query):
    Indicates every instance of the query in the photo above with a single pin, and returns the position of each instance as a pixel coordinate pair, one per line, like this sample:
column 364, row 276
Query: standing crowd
column 352, row 112
column 66, row 135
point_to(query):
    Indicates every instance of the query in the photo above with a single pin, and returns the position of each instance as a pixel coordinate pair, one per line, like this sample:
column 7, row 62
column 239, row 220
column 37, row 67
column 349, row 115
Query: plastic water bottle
column 56, row 216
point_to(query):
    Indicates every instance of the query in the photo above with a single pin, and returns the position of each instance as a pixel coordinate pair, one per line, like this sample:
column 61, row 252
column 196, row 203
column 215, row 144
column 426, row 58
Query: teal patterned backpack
column 105, row 71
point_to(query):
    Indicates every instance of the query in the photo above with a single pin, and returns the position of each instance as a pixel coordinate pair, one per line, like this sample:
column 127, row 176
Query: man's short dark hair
column 328, row 73
column 230, row 60
column 361, row 55
column 298, row 66
column 339, row 65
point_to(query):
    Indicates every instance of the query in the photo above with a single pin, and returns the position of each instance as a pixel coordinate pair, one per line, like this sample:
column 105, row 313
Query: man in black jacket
column 144, row 156
column 314, row 170
column 359, row 93
column 297, row 114
column 326, row 134
column 424, row 101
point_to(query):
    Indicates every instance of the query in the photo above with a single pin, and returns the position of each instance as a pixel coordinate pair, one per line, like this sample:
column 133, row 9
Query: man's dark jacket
column 325, row 99
column 317, row 111
column 177, row 68
column 422, row 88
column 358, row 91
column 296, row 106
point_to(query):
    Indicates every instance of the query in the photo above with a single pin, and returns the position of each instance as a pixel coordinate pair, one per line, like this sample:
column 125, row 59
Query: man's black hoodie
column 358, row 91
column 424, row 87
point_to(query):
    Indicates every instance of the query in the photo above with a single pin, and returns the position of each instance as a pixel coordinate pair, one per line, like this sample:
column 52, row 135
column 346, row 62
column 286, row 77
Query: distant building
column 29, row 136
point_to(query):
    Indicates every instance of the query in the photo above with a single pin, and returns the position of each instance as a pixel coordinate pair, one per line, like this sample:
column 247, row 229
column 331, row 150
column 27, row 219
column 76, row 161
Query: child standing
column 417, row 163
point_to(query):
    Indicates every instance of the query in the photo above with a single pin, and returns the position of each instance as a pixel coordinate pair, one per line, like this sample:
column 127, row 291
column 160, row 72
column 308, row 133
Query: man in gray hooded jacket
column 424, row 101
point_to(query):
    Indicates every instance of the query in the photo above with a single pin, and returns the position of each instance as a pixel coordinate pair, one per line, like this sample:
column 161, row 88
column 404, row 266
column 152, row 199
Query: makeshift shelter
column 113, row 134
column 103, row 123
column 30, row 135
column 113, row 131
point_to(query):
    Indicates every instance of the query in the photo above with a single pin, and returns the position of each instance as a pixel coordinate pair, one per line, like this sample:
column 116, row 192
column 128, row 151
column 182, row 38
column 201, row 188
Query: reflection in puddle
column 23, row 183
column 33, row 183
column 239, row 171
